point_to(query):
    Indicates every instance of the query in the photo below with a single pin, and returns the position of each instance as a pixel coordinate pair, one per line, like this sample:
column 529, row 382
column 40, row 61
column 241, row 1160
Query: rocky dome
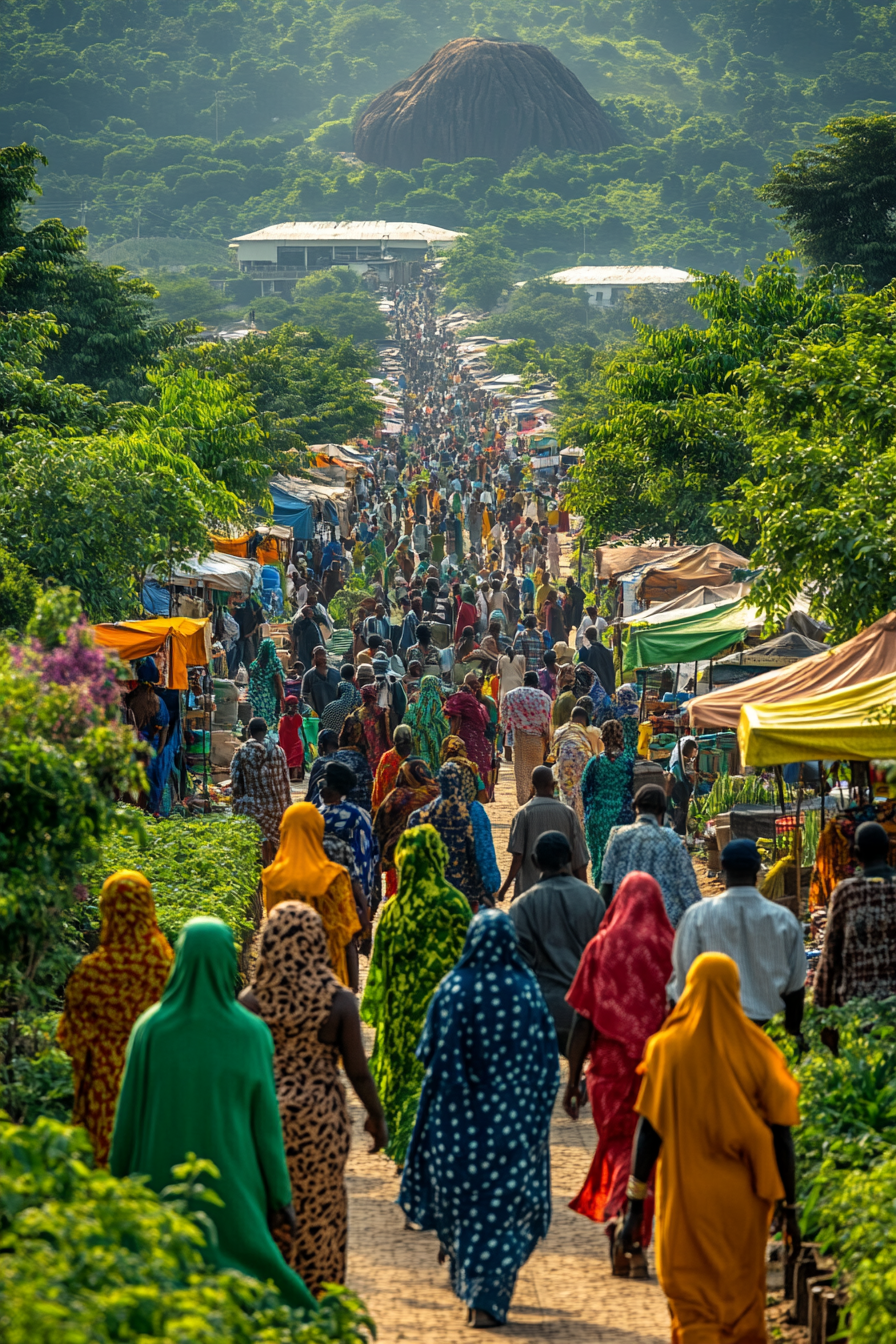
column 482, row 99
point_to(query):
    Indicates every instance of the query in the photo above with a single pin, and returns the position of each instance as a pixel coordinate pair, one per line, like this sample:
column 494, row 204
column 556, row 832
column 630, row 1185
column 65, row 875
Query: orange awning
column 191, row 643
column 232, row 545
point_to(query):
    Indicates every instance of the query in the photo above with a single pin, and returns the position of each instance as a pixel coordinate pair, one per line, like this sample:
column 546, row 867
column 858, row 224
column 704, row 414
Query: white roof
column 229, row 573
column 622, row 275
column 349, row 230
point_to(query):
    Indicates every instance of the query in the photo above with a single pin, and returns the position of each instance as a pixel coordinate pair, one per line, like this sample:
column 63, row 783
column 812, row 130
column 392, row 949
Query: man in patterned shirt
column 859, row 956
column 531, row 643
column 648, row 846
column 260, row 782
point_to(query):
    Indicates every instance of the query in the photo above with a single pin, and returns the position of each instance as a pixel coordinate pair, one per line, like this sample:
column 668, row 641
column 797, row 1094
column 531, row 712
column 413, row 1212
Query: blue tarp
column 156, row 599
column 294, row 513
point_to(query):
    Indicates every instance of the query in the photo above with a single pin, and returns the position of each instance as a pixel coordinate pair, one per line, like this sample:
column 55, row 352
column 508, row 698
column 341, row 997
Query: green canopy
column 689, row 639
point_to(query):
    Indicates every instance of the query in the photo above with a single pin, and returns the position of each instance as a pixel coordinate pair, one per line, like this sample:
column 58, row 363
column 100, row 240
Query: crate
column 713, row 861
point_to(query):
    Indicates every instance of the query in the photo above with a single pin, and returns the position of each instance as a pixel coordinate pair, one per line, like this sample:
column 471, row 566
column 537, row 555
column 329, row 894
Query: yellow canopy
column 835, row 726
column 190, row 643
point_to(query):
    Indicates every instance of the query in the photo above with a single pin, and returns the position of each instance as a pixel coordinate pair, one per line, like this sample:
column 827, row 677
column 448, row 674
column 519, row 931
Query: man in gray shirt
column 555, row 921
column 765, row 940
column 542, row 813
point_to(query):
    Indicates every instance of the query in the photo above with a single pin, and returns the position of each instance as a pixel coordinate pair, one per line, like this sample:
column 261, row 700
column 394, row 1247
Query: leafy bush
column 37, row 1078
column 201, row 866
column 19, row 592
column 88, row 1258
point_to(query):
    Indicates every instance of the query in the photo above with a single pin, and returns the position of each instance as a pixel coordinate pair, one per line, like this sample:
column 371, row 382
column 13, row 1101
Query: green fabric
column 427, row 723
column 199, row 1078
column 607, row 802
column 420, row 936
column 262, row 694
column 689, row 638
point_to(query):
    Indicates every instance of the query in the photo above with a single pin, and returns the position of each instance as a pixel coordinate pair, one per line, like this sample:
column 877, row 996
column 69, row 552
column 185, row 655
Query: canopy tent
column 836, row 726
column 615, row 561
column 226, row 573
column 330, row 503
column 292, row 512
column 693, row 567
column 870, row 654
column 189, row 643
column 700, row 601
column 689, row 638
column 781, row 651
column 236, row 545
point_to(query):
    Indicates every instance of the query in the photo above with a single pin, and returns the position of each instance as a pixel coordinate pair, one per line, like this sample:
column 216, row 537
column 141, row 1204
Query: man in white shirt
column 765, row 940
column 590, row 619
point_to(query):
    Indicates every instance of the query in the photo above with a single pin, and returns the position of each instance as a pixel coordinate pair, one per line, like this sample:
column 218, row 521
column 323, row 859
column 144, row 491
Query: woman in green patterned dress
column 266, row 685
column 607, row 793
column 427, row 722
column 419, row 939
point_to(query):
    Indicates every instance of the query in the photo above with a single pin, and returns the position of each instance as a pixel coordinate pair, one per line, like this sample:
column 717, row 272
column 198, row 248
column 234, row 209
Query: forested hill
column 208, row 120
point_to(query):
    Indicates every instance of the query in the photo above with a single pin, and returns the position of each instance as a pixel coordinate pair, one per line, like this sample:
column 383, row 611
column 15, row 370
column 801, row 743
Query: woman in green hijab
column 418, row 940
column 266, row 684
column 199, row 1078
column 427, row 723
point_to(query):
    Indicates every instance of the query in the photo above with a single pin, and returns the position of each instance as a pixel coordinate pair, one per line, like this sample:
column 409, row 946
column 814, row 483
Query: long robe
column 713, row 1084
column 199, row 1079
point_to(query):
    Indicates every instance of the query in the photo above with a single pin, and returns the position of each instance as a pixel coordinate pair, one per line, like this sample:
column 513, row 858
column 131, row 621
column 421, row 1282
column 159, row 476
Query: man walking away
column 542, row 813
column 859, row 957
column 647, row 846
column 260, row 782
column 555, row 920
column 764, row 939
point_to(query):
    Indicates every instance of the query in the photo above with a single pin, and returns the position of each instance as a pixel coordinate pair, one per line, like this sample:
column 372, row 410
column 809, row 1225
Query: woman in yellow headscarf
column 542, row 591
column 716, row 1105
column 106, row 993
column 302, row 872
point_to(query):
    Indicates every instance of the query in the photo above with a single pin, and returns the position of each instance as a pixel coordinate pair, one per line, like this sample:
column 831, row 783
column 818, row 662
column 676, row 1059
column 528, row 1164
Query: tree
column 663, row 430
column 106, row 330
column 821, row 426
column 18, row 593
column 477, row 270
column 838, row 201
column 188, row 298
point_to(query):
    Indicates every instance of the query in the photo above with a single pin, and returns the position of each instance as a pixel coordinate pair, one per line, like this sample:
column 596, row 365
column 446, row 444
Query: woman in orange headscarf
column 302, row 872
column 716, row 1106
column 106, row 993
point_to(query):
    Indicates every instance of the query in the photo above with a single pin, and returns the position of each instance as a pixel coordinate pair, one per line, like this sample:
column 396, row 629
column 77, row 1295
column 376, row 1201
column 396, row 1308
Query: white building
column 282, row 253
column 607, row 284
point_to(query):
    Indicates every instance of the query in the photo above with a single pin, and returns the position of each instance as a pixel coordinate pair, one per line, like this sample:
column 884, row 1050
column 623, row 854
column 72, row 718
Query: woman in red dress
column 291, row 740
column 619, row 995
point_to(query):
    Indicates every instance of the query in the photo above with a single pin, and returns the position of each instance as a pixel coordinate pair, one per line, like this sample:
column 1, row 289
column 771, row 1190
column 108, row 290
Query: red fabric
column 290, row 735
column 466, row 615
column 474, row 720
column 620, row 987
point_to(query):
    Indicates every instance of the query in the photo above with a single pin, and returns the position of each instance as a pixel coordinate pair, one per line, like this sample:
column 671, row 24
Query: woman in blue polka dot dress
column 478, row 1165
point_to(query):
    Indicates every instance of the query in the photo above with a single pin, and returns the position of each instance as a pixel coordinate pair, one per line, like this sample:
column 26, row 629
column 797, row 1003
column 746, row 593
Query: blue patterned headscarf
column 628, row 702
column 477, row 1167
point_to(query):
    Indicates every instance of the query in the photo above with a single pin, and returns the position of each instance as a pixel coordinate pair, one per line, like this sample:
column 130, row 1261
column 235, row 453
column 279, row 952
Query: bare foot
column 481, row 1320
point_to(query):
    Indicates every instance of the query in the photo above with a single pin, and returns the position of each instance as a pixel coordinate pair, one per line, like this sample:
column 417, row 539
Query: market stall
column 846, row 724
column 694, row 567
column 187, row 642
column 688, row 638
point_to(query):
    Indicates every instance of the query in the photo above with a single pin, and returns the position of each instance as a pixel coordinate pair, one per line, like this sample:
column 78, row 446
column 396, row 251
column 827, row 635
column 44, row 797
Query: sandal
column 620, row 1261
column 638, row 1263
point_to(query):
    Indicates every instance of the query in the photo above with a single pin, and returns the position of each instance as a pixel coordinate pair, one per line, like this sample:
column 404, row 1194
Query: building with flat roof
column 282, row 253
column 607, row 284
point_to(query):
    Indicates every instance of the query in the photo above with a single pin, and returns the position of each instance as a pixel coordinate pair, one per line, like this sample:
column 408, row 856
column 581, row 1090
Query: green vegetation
column 334, row 301
column 846, row 1153
column 204, row 123
column 89, row 1257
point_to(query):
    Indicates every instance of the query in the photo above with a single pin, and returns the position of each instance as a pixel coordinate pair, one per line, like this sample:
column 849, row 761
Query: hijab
column 301, row 868
column 294, row 981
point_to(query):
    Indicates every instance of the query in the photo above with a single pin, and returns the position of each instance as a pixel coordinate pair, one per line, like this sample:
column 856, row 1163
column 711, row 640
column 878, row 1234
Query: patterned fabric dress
column 607, row 800
column 414, row 788
column 262, row 694
column 419, row 938
column 474, row 719
column 455, row 749
column 574, row 751
column 351, row 753
column 295, row 988
column 427, row 722
column 451, row 815
column 105, row 994
column 620, row 987
column 477, row 1169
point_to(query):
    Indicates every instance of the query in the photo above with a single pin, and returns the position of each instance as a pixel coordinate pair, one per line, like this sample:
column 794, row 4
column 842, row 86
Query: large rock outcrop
column 481, row 99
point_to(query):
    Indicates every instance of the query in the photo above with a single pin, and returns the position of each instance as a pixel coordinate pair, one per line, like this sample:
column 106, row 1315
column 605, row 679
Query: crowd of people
column 469, row 654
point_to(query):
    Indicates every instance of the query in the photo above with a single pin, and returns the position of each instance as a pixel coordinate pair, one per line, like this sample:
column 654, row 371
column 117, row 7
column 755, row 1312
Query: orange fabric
column 386, row 774
column 870, row 654
column 232, row 545
column 268, row 552
column 190, row 643
column 105, row 994
column 302, row 872
column 713, row 1084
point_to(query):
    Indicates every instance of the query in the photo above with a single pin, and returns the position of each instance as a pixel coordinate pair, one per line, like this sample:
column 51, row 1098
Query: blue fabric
column 352, row 824
column 156, row 599
column 477, row 1170
column 294, row 513
column 485, row 847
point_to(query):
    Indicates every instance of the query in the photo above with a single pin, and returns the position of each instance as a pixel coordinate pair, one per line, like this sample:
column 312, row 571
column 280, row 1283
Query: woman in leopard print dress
column 314, row 1020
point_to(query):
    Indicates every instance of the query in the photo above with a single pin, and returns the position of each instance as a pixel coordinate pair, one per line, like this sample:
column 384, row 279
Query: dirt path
column 564, row 1292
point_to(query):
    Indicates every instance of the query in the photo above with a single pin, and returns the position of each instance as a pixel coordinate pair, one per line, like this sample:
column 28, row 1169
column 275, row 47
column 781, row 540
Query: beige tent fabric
column 613, row 561
column 871, row 654
column 695, row 567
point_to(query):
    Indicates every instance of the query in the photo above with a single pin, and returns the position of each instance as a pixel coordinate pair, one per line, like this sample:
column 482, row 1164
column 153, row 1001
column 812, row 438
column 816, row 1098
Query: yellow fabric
column 302, row 872
column 553, row 518
column 823, row 727
column 713, row 1084
column 231, row 545
column 645, row 733
column 191, row 643
column 486, row 523
column 268, row 552
column 301, row 866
